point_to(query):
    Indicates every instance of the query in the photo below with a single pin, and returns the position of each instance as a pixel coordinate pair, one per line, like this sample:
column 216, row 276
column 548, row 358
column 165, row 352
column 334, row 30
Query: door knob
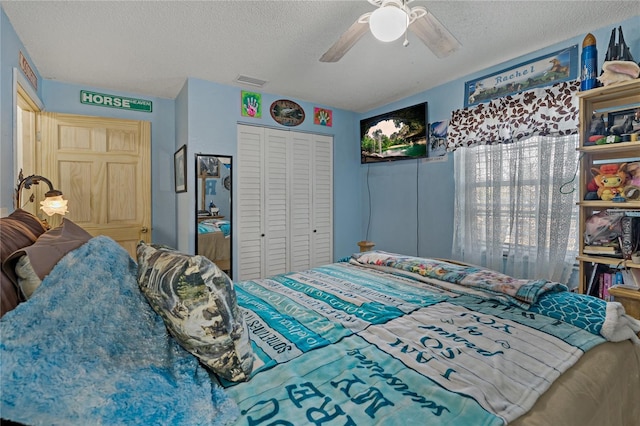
column 144, row 230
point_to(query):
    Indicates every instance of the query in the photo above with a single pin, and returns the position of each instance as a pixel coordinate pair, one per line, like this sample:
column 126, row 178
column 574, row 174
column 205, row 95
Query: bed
column 214, row 242
column 376, row 338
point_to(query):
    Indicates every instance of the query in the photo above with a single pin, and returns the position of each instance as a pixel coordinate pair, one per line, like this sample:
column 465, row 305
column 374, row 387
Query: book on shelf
column 630, row 235
column 630, row 278
column 606, row 250
column 599, row 290
column 594, row 279
column 602, row 278
column 627, row 278
column 626, row 212
column 626, row 286
column 607, row 282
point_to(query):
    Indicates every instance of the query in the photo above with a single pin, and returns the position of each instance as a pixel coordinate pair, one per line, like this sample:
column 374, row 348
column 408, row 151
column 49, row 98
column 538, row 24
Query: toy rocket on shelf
column 618, row 62
column 589, row 63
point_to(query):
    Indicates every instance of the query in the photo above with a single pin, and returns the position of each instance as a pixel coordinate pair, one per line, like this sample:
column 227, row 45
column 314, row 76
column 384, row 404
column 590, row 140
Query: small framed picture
column 209, row 166
column 622, row 122
column 180, row 169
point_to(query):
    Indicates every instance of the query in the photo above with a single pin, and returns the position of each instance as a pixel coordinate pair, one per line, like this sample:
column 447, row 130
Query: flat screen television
column 395, row 135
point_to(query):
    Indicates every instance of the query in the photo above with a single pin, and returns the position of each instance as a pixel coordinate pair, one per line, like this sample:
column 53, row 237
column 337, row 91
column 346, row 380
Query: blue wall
column 10, row 46
column 411, row 201
column 213, row 112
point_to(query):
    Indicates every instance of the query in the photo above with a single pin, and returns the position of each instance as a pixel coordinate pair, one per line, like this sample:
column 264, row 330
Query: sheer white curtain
column 515, row 161
column 515, row 207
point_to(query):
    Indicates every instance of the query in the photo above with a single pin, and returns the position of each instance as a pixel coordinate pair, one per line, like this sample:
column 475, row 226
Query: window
column 516, row 206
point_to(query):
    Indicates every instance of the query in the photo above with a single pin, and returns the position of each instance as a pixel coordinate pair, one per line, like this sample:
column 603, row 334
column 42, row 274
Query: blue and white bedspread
column 87, row 349
column 379, row 340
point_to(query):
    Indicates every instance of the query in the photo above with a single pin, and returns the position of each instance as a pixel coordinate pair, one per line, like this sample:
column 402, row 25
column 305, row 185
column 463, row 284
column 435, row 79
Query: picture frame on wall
column 546, row 70
column 622, row 121
column 180, row 169
column 209, row 167
column 437, row 144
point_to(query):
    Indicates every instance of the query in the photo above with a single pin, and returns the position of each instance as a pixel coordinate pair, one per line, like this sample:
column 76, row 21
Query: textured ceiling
column 151, row 47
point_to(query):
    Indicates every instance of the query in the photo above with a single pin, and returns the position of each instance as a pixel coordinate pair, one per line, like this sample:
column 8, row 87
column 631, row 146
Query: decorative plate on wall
column 287, row 113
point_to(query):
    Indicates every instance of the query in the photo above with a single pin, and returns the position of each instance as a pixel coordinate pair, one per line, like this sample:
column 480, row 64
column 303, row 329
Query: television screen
column 395, row 135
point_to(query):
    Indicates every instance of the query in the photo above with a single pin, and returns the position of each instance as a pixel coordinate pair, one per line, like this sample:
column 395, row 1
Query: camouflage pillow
column 198, row 304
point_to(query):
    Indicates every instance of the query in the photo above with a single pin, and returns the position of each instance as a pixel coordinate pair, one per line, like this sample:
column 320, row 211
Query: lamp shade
column 388, row 23
column 54, row 204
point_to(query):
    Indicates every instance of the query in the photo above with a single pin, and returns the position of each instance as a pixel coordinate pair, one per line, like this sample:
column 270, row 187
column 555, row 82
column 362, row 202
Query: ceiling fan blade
column 346, row 40
column 434, row 35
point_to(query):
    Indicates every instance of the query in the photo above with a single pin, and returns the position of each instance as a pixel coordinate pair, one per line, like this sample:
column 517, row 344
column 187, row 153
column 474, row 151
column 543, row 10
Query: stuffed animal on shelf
column 602, row 228
column 618, row 71
column 631, row 190
column 618, row 62
column 597, row 126
column 611, row 180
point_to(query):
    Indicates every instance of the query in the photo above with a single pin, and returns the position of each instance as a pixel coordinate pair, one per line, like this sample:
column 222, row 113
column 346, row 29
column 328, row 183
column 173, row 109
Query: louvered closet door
column 301, row 201
column 276, row 214
column 322, row 211
column 311, row 200
column 285, row 201
column 250, row 204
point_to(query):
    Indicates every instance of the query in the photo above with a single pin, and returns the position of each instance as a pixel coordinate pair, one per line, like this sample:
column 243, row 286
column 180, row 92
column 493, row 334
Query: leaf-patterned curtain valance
column 544, row 111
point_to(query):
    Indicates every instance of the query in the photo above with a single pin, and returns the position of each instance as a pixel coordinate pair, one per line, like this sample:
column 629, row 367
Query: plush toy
column 631, row 190
column 602, row 228
column 611, row 180
column 618, row 71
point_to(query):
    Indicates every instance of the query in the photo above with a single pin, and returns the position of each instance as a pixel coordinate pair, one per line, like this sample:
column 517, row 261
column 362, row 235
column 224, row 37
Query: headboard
column 18, row 230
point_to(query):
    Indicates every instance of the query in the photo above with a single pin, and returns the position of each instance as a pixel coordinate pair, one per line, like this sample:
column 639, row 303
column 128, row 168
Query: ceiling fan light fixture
column 388, row 23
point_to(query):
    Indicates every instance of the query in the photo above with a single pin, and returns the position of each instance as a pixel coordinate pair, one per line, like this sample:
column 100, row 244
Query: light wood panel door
column 103, row 167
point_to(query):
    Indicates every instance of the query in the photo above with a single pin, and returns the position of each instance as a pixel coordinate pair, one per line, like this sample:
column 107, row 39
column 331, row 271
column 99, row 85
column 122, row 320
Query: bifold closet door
column 301, row 201
column 311, row 200
column 322, row 211
column 275, row 222
column 250, row 204
column 285, row 201
column 263, row 247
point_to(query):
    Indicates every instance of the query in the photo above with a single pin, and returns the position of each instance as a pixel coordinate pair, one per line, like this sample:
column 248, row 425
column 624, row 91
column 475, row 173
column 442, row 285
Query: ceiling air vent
column 252, row 81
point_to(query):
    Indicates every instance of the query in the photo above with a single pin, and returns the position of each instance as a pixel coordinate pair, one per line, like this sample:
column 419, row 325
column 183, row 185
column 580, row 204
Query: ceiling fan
column 390, row 22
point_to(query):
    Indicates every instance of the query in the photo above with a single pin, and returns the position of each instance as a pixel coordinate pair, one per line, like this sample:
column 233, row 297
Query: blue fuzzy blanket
column 88, row 349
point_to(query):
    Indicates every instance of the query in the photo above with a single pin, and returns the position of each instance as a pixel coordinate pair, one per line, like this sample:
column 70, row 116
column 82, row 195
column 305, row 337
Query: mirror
column 213, row 209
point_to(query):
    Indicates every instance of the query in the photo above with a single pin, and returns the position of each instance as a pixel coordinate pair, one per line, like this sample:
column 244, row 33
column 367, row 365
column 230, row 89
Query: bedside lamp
column 53, row 202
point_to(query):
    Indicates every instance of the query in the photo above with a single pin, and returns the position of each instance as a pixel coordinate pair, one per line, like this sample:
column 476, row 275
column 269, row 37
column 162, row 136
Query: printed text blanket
column 352, row 343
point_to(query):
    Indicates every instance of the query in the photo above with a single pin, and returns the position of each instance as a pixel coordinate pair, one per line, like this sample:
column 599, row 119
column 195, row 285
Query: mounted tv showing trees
column 395, row 135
